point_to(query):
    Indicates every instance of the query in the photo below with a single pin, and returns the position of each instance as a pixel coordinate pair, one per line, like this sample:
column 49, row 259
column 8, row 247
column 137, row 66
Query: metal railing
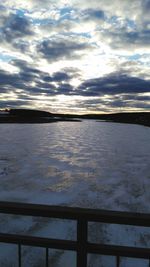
column 82, row 216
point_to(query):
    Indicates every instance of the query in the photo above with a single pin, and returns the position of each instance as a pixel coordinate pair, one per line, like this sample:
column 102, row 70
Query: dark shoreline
column 140, row 118
column 37, row 116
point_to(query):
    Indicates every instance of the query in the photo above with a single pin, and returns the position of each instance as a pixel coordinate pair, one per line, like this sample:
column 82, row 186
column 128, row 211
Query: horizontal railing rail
column 82, row 216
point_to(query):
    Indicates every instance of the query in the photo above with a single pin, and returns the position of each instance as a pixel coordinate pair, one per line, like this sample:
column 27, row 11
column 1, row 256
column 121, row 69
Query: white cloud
column 96, row 38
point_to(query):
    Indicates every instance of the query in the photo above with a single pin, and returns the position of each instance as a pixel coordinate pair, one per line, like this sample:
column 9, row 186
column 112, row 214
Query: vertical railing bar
column 19, row 255
column 118, row 261
column 82, row 232
column 46, row 257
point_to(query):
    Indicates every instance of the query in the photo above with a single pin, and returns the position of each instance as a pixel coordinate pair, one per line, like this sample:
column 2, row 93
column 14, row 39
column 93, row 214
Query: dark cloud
column 112, row 103
column 7, row 79
column 21, row 45
column 123, row 39
column 57, row 77
column 113, row 84
column 143, row 98
column 13, row 103
column 140, row 105
column 138, row 38
column 136, row 97
column 61, row 49
column 146, row 5
column 16, row 27
column 33, row 81
column 65, row 88
column 20, row 80
column 94, row 14
column 30, row 83
column 25, row 68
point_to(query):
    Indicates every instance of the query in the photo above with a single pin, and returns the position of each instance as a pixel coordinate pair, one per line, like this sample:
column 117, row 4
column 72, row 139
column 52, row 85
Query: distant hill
column 38, row 116
column 30, row 116
column 136, row 118
column 29, row 113
column 142, row 118
column 26, row 116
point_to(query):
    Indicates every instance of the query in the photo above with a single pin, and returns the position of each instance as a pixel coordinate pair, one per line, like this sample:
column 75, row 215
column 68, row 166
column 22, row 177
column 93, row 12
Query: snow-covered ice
column 89, row 164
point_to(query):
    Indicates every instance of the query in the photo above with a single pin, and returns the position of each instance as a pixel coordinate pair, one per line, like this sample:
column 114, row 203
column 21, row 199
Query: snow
column 85, row 164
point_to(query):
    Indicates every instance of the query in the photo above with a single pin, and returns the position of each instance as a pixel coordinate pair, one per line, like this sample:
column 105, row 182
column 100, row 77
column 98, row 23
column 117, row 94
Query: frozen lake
column 86, row 164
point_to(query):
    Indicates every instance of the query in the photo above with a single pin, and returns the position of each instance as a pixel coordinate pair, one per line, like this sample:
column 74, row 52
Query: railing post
column 19, row 255
column 82, row 243
column 118, row 261
column 46, row 257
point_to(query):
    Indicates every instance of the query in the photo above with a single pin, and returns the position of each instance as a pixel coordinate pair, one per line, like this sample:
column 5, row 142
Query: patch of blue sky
column 40, row 21
column 131, row 23
column 65, row 11
column 140, row 58
column 6, row 57
column 81, row 34
column 112, row 19
column 86, row 34
column 69, row 14
column 43, row 21
column 21, row 12
column 134, row 57
column 127, row 22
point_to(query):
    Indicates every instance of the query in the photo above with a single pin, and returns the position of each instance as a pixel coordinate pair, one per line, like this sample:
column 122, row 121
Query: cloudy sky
column 75, row 56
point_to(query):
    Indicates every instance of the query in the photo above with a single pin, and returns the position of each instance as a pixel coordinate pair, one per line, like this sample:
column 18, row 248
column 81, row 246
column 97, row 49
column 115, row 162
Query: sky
column 75, row 56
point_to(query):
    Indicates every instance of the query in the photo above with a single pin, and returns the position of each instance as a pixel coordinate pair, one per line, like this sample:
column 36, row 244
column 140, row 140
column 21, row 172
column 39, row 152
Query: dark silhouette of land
column 38, row 116
column 142, row 118
column 31, row 116
column 25, row 116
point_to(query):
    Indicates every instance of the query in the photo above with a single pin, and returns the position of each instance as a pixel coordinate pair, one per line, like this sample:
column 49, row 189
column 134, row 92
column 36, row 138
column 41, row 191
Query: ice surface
column 89, row 164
